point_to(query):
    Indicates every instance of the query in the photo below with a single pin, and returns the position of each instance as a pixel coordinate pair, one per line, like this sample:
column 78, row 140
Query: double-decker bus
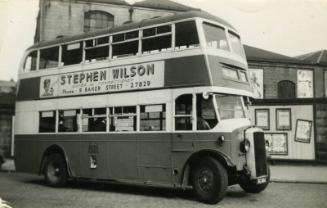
column 159, row 102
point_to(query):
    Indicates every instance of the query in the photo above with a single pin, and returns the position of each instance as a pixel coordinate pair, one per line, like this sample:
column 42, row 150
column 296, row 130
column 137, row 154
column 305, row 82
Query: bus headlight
column 245, row 146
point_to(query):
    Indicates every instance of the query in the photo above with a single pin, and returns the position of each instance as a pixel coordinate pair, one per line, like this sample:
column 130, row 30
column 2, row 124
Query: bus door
column 93, row 147
column 154, row 145
column 122, row 143
column 182, row 137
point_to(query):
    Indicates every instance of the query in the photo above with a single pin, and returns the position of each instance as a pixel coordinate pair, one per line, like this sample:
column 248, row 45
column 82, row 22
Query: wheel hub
column 205, row 179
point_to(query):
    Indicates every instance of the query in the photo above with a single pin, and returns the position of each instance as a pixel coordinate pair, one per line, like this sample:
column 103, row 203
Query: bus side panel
column 27, row 156
column 154, row 161
column 182, row 149
column 206, row 140
column 122, row 156
column 202, row 141
column 186, row 71
column 29, row 150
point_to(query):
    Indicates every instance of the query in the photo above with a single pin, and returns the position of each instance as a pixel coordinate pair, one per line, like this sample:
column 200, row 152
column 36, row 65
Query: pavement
column 291, row 173
column 23, row 190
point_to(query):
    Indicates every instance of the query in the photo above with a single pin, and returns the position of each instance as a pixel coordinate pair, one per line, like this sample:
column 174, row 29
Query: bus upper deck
column 187, row 49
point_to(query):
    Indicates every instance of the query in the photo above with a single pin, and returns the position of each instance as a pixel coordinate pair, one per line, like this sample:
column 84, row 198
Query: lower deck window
column 94, row 120
column 122, row 118
column 153, row 118
column 47, row 122
column 68, row 121
column 183, row 112
column 205, row 113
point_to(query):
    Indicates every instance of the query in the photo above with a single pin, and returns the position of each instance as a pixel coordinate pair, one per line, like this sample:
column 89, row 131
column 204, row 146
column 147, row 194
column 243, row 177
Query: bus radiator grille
column 260, row 154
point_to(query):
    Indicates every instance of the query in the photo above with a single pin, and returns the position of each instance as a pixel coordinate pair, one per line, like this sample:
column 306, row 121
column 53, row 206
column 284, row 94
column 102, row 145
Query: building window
column 286, row 89
column 95, row 20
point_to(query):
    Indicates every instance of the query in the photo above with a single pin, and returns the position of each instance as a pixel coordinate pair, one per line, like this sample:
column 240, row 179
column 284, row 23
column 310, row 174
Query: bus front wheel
column 55, row 170
column 210, row 180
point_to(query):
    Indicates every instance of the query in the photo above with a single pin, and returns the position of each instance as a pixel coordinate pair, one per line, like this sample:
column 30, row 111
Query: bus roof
column 134, row 25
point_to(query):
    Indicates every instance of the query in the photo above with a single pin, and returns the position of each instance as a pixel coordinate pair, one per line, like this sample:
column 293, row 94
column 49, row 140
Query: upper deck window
column 72, row 53
column 49, row 57
column 236, row 44
column 125, row 44
column 156, row 38
column 186, row 34
column 30, row 62
column 215, row 36
column 97, row 49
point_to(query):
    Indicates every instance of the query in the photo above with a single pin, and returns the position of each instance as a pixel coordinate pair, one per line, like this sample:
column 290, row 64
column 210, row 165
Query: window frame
column 171, row 33
column 45, row 48
column 197, row 21
column 87, row 17
column 94, row 116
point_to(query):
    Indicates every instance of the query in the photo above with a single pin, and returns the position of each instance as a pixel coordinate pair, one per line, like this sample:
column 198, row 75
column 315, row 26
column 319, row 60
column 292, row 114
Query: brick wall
column 276, row 72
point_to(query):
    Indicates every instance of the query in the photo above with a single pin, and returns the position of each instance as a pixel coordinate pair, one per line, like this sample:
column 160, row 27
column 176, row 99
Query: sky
column 289, row 27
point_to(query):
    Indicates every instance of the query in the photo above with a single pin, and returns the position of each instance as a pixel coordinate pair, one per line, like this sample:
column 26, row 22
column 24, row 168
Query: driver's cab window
column 205, row 113
column 183, row 112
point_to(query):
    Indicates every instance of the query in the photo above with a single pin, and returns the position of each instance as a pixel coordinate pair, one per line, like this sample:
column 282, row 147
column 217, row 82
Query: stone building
column 59, row 18
column 7, row 111
column 291, row 104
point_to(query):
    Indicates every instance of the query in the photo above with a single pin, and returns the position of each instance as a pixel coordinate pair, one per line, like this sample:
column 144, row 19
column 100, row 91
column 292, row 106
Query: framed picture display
column 256, row 78
column 303, row 131
column 304, row 83
column 262, row 118
column 278, row 143
column 283, row 119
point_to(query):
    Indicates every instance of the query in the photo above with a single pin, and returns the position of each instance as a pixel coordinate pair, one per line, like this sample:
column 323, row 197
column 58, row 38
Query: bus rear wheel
column 209, row 180
column 55, row 170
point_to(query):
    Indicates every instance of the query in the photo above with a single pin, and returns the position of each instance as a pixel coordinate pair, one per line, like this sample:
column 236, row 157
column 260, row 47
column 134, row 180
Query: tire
column 251, row 187
column 209, row 180
column 55, row 170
